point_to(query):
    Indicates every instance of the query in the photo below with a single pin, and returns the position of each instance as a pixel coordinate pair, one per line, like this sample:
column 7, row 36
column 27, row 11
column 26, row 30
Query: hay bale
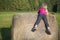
column 23, row 23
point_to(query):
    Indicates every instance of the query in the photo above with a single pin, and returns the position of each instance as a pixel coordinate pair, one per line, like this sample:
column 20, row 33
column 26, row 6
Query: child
column 42, row 13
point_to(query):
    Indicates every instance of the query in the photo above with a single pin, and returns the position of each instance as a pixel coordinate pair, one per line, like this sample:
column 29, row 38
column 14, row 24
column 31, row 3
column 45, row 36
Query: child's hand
column 47, row 13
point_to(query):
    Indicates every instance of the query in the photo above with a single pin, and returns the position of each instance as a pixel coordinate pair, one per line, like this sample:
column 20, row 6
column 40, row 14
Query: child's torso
column 42, row 11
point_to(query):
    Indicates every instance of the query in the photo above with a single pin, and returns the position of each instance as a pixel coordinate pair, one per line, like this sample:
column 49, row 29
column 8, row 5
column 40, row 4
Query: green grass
column 5, row 25
column 58, row 19
column 6, row 21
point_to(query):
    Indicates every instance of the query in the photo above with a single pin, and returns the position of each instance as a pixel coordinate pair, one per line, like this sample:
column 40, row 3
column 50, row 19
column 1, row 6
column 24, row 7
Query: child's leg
column 46, row 24
column 37, row 21
column 45, row 21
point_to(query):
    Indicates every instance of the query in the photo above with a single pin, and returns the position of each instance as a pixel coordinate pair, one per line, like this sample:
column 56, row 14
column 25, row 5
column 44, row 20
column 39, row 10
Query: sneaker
column 48, row 32
column 48, row 28
column 34, row 28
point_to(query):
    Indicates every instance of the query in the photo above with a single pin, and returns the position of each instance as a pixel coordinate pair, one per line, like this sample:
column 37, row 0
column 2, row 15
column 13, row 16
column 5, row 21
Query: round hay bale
column 23, row 23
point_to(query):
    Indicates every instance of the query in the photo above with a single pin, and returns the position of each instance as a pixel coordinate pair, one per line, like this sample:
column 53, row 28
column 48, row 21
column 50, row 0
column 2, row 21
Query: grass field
column 6, row 21
column 58, row 19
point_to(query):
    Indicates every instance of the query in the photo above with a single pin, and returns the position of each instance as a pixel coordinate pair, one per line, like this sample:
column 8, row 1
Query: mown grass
column 6, row 21
column 58, row 19
column 5, row 25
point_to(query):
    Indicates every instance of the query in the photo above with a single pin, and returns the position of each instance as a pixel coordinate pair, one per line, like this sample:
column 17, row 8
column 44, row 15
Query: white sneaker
column 35, row 27
column 48, row 28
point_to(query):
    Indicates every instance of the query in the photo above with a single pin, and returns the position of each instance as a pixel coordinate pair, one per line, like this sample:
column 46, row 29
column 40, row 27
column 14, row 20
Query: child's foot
column 34, row 28
column 48, row 32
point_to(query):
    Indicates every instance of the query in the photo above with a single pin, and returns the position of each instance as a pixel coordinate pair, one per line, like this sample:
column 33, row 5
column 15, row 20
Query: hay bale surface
column 23, row 23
